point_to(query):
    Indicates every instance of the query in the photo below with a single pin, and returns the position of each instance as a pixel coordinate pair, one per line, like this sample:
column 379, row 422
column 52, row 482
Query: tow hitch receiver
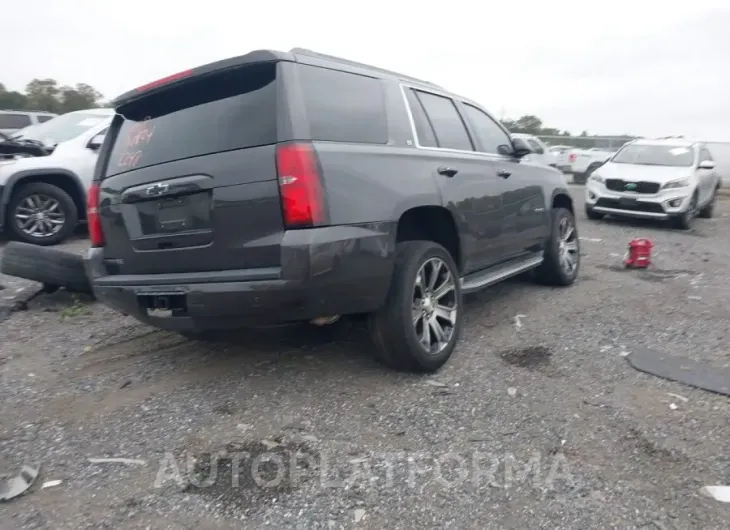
column 164, row 304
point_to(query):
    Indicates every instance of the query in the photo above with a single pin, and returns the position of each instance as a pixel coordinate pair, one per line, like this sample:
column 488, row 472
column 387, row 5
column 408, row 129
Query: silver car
column 673, row 179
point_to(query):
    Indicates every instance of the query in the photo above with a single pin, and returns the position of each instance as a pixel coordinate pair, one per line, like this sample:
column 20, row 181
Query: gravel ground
column 537, row 421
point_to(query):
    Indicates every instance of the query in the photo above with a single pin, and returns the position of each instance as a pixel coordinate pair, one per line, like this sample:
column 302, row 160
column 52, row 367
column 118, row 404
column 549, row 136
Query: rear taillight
column 164, row 80
column 302, row 196
column 93, row 220
column 571, row 157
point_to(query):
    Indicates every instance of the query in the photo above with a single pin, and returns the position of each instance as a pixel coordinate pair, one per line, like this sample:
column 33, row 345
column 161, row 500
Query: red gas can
column 639, row 254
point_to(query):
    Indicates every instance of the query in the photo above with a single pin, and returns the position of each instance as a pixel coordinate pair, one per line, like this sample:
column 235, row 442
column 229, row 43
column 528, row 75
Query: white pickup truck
column 541, row 153
column 585, row 162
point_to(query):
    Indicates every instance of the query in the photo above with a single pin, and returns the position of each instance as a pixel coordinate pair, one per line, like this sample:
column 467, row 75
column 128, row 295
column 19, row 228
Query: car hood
column 638, row 172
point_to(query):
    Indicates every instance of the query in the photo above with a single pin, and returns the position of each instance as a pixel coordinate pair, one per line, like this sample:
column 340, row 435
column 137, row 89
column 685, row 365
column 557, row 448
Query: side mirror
column 706, row 164
column 518, row 149
column 96, row 142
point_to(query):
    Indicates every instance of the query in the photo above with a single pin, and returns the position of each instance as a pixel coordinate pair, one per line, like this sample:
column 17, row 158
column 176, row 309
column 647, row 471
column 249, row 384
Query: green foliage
column 77, row 308
column 529, row 124
column 47, row 95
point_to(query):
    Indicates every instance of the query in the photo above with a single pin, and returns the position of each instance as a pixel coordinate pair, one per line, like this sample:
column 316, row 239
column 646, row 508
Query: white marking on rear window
column 90, row 122
column 679, row 151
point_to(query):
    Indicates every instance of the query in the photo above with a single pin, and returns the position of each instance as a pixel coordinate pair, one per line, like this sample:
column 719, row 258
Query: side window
column 14, row 121
column 490, row 134
column 44, row 118
column 536, row 147
column 424, row 131
column 447, row 125
column 705, row 155
column 343, row 107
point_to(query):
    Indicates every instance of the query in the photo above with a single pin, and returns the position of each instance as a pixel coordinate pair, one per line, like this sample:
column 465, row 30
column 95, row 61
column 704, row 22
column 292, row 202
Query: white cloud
column 641, row 67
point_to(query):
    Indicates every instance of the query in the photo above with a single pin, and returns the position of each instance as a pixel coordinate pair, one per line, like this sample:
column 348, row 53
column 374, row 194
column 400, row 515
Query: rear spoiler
column 258, row 56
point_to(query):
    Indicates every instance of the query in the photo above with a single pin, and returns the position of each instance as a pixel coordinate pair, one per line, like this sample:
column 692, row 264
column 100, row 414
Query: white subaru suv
column 43, row 198
column 668, row 179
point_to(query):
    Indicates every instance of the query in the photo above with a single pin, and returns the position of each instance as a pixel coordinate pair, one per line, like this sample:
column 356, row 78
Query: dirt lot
column 538, row 421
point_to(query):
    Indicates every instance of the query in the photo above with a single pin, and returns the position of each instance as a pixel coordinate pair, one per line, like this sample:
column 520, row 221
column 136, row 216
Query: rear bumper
column 325, row 271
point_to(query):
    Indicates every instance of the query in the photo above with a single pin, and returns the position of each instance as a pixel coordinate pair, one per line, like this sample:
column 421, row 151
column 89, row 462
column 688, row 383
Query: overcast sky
column 644, row 67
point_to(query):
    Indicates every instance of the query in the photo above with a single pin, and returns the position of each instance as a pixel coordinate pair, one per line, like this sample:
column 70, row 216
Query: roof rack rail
column 29, row 111
column 310, row 53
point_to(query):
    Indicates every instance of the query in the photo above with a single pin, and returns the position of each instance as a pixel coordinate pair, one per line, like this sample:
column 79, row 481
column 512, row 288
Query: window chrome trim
column 412, row 121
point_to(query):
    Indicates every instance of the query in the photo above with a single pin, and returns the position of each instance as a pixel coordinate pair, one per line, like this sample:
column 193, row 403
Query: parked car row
column 315, row 188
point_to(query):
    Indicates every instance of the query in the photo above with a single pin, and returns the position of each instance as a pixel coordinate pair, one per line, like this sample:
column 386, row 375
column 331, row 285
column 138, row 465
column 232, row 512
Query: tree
column 43, row 94
column 529, row 124
column 11, row 100
column 81, row 97
column 46, row 95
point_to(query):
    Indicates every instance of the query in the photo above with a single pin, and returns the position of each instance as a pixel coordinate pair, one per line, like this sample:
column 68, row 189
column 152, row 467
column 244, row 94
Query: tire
column 49, row 266
column 552, row 271
column 65, row 205
column 709, row 210
column 593, row 215
column 685, row 220
column 394, row 333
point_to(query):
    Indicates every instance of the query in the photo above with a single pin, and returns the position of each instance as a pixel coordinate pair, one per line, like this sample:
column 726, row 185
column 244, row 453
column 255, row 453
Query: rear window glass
column 343, row 107
column 230, row 110
column 14, row 121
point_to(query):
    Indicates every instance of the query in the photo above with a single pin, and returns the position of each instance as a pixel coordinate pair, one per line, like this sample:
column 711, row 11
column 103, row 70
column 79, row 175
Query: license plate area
column 172, row 215
column 628, row 202
column 164, row 305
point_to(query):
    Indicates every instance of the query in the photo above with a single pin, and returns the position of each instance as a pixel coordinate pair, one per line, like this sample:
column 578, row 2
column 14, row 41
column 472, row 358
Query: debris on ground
column 51, row 484
column 435, row 383
column 673, row 406
column 719, row 493
column 518, row 321
column 359, row 515
column 20, row 483
column 511, row 391
column 683, row 370
column 130, row 461
column 681, row 398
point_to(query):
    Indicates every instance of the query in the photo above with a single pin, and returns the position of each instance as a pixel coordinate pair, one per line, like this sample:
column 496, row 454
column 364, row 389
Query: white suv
column 655, row 179
column 43, row 198
column 14, row 120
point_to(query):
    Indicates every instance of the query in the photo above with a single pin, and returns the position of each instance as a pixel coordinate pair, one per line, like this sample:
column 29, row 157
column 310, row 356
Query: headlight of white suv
column 679, row 183
column 597, row 178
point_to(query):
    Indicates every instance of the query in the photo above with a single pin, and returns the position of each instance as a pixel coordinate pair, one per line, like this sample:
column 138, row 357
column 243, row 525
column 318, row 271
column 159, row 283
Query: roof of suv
column 669, row 142
column 300, row 55
column 44, row 112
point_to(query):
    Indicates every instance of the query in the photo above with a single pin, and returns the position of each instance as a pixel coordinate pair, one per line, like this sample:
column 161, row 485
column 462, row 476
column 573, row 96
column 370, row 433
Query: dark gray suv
column 280, row 187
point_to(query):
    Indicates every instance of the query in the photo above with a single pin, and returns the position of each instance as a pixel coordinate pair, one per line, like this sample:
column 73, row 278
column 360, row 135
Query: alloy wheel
column 39, row 216
column 567, row 246
column 435, row 308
